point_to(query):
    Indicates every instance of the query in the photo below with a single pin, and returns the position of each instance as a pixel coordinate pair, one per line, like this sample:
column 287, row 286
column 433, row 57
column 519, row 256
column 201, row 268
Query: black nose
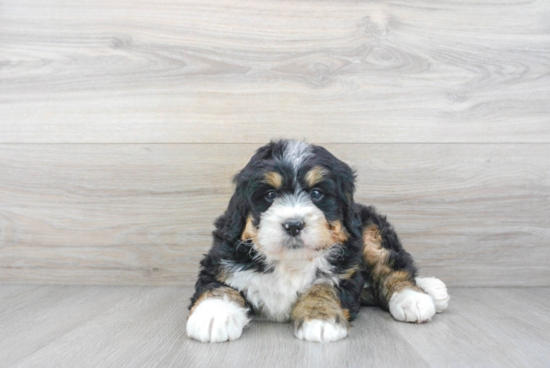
column 293, row 227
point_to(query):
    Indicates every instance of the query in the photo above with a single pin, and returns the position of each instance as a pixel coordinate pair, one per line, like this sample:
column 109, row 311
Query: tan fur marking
column 349, row 274
column 398, row 281
column 222, row 292
column 250, row 231
column 338, row 232
column 315, row 176
column 346, row 314
column 274, row 179
column 202, row 297
column 372, row 250
column 222, row 275
column 377, row 257
column 319, row 302
column 335, row 233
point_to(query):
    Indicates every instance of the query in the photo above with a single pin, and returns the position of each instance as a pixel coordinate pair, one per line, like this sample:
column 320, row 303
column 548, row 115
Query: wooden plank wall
column 122, row 123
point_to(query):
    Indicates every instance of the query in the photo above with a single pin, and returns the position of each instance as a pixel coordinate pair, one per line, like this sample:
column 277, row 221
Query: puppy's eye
column 271, row 195
column 316, row 194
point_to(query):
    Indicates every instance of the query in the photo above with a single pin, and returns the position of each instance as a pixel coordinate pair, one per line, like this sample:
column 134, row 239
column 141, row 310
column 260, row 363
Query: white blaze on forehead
column 296, row 206
column 296, row 152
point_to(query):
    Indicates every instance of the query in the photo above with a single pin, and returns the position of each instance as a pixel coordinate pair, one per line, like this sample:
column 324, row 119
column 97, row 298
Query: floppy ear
column 346, row 185
column 230, row 225
column 233, row 221
column 344, row 176
column 235, row 216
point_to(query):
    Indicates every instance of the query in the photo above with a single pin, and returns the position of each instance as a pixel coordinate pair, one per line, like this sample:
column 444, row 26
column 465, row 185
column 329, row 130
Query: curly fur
column 345, row 246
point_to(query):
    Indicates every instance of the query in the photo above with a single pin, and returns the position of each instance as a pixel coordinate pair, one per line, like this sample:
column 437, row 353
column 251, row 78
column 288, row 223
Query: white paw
column 437, row 290
column 217, row 320
column 321, row 331
column 412, row 306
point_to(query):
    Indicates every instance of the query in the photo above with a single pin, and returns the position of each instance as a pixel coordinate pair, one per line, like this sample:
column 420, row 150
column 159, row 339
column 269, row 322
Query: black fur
column 248, row 199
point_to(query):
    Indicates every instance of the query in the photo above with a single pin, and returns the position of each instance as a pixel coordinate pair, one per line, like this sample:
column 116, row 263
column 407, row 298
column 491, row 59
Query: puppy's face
column 297, row 198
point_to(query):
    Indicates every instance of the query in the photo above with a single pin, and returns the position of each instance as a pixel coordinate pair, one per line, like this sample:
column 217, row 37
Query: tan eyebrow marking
column 274, row 179
column 315, row 175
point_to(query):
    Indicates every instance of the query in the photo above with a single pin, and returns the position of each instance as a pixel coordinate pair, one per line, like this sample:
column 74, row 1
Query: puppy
column 294, row 246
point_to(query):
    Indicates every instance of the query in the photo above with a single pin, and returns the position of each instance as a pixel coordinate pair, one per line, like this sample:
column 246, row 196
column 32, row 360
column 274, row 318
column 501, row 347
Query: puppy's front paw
column 412, row 306
column 437, row 290
column 320, row 330
column 217, row 320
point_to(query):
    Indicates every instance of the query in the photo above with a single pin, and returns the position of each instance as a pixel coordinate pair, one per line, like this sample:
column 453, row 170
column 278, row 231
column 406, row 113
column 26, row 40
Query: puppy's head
column 293, row 200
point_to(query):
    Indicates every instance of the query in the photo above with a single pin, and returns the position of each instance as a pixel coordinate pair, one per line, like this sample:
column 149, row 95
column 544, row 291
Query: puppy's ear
column 230, row 225
column 237, row 211
column 344, row 176
column 346, row 184
column 233, row 221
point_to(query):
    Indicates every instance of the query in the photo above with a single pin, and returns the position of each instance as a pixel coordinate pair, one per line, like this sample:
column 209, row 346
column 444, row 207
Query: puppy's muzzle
column 293, row 227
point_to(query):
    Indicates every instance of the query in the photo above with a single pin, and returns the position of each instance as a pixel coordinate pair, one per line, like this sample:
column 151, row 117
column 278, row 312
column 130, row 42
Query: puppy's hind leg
column 391, row 271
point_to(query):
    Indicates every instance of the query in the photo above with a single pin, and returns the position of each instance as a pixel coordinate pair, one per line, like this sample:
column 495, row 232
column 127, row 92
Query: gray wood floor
column 117, row 326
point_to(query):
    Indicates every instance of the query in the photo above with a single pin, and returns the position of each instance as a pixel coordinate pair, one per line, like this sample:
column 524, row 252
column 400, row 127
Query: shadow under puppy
column 293, row 245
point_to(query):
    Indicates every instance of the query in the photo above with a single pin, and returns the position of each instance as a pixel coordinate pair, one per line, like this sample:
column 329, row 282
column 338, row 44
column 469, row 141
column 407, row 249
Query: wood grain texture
column 145, row 327
column 137, row 71
column 473, row 215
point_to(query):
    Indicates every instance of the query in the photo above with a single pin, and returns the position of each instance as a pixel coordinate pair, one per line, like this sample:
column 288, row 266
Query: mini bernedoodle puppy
column 294, row 246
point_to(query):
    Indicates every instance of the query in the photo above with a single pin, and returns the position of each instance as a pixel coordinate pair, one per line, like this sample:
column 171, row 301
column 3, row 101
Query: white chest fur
column 274, row 294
